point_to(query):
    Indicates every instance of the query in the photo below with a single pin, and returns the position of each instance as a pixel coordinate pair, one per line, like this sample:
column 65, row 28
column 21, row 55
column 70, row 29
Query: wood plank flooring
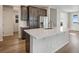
column 73, row 45
column 12, row 44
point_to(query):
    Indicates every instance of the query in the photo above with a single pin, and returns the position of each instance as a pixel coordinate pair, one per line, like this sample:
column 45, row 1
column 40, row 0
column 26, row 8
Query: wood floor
column 12, row 44
column 73, row 45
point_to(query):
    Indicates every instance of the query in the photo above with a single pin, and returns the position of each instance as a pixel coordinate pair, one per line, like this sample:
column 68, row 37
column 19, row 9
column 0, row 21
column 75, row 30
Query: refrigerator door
column 41, row 21
column 45, row 24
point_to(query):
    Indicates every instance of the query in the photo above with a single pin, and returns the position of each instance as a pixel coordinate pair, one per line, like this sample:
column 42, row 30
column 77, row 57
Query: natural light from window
column 75, row 19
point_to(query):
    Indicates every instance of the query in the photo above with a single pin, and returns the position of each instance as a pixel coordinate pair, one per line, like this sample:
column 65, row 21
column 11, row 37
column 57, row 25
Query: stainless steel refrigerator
column 44, row 22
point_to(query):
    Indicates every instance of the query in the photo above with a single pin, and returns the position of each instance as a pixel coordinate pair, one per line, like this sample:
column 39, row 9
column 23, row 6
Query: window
column 75, row 19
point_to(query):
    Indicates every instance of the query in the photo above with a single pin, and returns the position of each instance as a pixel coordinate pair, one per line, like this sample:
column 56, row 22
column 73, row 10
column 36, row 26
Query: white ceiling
column 66, row 8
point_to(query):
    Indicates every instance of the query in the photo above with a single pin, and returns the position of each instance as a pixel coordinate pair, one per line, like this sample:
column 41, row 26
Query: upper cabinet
column 32, row 15
column 23, row 13
column 42, row 12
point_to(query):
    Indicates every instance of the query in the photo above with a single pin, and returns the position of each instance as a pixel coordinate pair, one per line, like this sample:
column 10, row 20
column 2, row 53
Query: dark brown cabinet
column 34, row 14
column 23, row 13
column 24, row 35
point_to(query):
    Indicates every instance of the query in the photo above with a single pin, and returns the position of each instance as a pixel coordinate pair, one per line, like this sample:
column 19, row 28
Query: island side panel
column 48, row 44
column 31, row 44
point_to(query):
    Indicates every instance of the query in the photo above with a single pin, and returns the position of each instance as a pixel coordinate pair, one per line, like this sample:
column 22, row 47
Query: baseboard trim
column 1, row 39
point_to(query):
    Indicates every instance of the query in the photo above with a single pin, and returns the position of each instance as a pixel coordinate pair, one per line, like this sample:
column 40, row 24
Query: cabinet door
column 44, row 12
column 33, row 17
column 36, row 22
column 31, row 22
column 23, row 13
column 34, row 14
column 30, row 17
column 40, row 12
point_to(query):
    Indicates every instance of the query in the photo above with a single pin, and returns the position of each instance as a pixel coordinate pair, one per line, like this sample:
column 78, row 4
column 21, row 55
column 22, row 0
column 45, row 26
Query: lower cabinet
column 25, row 36
column 27, row 44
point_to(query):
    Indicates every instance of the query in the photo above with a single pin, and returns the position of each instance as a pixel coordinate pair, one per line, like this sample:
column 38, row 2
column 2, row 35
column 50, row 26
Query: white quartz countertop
column 42, row 33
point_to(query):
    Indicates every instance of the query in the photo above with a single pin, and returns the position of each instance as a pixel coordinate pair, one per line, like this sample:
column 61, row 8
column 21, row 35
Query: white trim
column 1, row 39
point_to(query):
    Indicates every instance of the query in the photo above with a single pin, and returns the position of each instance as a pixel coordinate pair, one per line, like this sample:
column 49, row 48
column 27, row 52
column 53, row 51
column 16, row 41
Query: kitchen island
column 47, row 40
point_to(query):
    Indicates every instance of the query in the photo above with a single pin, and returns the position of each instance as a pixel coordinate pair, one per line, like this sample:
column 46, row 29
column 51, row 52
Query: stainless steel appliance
column 44, row 22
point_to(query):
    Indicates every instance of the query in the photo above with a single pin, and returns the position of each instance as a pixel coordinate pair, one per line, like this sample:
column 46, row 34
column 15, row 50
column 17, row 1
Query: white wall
column 17, row 8
column 72, row 25
column 15, row 24
column 64, row 19
column 58, row 19
column 8, row 20
column 52, row 15
column 1, row 23
column 21, row 23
